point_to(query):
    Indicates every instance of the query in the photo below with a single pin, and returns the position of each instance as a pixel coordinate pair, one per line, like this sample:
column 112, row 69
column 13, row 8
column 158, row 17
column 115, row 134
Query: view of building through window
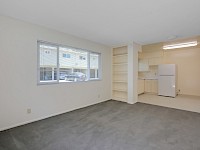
column 66, row 64
column 94, row 62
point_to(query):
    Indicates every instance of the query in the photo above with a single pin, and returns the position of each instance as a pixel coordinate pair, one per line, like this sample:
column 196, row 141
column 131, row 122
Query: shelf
column 118, row 86
column 120, row 55
column 119, row 64
column 120, row 77
column 119, row 81
column 123, row 99
column 120, row 90
column 120, row 72
column 120, row 68
column 120, row 50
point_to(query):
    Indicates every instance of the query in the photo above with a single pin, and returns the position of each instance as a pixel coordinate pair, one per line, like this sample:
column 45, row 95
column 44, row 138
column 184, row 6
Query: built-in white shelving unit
column 125, row 73
column 120, row 74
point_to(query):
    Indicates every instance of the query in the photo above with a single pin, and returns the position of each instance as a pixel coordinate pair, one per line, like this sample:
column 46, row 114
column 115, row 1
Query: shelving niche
column 120, row 74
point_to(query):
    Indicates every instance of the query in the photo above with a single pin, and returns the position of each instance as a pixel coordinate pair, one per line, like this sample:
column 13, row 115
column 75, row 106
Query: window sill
column 65, row 82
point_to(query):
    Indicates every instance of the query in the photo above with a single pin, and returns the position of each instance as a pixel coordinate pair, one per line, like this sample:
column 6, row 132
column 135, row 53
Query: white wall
column 133, row 49
column 18, row 79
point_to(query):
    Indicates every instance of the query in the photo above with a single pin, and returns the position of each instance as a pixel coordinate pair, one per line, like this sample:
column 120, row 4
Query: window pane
column 48, row 63
column 94, row 66
column 73, row 67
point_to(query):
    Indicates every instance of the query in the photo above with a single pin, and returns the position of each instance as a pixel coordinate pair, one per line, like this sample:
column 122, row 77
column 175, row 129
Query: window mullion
column 58, row 65
column 88, row 65
column 38, row 62
column 99, row 67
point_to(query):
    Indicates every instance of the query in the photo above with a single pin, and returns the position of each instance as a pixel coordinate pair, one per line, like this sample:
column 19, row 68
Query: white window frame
column 39, row 42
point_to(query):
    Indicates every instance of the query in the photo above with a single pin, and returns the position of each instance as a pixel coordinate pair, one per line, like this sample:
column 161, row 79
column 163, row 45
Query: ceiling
column 111, row 22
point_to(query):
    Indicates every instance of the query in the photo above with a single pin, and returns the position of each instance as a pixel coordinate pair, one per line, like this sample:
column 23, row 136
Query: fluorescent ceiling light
column 180, row 45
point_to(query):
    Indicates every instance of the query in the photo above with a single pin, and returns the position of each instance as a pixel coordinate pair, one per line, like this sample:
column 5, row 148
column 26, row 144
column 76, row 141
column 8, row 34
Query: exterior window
column 48, row 63
column 80, row 65
column 78, row 68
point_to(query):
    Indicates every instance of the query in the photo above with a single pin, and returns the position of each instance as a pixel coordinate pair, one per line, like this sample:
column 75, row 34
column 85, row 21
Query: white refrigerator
column 167, row 80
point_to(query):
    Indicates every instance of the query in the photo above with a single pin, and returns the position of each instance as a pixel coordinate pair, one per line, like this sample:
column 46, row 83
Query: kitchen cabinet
column 143, row 65
column 140, row 86
column 147, row 87
column 151, row 86
column 154, row 86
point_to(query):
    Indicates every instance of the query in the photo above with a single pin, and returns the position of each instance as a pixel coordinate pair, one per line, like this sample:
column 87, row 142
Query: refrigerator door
column 167, row 69
column 167, row 86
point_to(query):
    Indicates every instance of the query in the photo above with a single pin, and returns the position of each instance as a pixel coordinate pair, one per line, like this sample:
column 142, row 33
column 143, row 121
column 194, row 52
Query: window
column 80, row 65
column 48, row 63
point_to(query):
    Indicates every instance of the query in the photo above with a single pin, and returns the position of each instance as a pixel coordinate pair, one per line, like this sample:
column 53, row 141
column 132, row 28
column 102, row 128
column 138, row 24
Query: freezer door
column 167, row 69
column 166, row 86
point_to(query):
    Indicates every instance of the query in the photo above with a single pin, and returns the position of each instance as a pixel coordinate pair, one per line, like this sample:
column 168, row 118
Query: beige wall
column 18, row 80
column 188, row 61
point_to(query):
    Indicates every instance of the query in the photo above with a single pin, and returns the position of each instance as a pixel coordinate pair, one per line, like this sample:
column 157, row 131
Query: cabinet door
column 143, row 65
column 147, row 86
column 154, row 86
column 140, row 86
column 151, row 86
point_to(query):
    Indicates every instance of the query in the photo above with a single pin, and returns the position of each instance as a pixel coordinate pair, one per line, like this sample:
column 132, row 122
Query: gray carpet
column 109, row 125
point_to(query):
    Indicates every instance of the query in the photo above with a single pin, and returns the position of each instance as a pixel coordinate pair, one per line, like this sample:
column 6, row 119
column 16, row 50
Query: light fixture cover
column 180, row 45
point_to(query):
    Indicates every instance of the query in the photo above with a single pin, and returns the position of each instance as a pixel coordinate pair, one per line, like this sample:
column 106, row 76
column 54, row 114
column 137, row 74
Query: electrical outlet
column 99, row 95
column 28, row 111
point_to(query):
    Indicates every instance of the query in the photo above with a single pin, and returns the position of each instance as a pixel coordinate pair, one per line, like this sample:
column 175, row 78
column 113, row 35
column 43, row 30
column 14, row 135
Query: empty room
column 99, row 75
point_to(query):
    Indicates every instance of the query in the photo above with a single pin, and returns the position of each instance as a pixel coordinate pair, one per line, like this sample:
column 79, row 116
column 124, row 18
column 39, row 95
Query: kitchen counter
column 149, row 85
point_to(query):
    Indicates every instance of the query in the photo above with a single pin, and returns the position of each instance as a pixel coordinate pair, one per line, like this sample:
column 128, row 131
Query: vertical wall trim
column 133, row 50
column 130, row 74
